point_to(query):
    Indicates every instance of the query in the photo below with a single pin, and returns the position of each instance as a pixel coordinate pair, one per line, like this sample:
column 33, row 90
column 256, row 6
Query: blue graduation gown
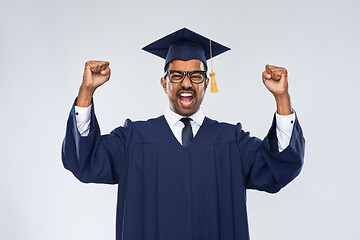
column 168, row 192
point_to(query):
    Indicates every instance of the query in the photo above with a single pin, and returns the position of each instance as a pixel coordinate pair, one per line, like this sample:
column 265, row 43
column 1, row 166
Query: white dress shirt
column 284, row 124
column 176, row 126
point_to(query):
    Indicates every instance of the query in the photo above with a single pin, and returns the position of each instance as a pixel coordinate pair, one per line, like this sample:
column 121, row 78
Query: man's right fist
column 96, row 73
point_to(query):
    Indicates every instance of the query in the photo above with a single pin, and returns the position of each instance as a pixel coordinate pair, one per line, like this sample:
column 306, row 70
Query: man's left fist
column 275, row 79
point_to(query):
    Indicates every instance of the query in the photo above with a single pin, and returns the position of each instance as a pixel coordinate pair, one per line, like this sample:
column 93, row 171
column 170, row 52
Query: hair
column 167, row 66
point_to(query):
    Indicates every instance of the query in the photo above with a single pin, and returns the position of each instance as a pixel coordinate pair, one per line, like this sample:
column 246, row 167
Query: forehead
column 189, row 65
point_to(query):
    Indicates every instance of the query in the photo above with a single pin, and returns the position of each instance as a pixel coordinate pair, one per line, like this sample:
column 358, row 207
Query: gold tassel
column 213, row 85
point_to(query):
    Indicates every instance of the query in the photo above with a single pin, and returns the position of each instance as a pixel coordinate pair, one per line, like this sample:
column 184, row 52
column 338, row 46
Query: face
column 186, row 97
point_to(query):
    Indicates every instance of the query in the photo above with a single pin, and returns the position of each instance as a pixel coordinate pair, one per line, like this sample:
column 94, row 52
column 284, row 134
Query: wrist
column 87, row 89
column 283, row 104
column 282, row 97
column 85, row 96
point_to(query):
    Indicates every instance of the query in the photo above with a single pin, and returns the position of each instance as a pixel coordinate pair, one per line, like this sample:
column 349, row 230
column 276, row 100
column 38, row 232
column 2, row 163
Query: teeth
column 186, row 94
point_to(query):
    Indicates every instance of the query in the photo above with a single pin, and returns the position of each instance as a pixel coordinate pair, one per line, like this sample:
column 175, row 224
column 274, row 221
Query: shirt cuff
column 284, row 128
column 285, row 122
column 83, row 117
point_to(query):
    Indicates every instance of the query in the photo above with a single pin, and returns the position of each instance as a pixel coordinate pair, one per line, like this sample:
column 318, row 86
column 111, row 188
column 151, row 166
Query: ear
column 206, row 83
column 163, row 84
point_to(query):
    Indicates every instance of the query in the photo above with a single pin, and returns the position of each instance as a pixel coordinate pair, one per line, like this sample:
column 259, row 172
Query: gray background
column 43, row 48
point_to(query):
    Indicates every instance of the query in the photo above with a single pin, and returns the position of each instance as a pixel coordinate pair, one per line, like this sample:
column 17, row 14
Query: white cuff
column 285, row 122
column 83, row 117
column 284, row 128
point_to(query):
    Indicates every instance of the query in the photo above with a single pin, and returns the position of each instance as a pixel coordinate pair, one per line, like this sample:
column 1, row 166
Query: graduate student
column 183, row 175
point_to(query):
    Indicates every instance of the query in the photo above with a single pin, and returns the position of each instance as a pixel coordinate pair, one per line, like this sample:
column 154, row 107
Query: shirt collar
column 172, row 118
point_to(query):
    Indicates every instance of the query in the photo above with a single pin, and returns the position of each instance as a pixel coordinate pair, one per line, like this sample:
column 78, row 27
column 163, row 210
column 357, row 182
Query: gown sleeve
column 265, row 168
column 95, row 158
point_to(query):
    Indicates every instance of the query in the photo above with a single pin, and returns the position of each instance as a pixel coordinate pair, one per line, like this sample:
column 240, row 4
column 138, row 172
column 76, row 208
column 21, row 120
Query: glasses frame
column 186, row 73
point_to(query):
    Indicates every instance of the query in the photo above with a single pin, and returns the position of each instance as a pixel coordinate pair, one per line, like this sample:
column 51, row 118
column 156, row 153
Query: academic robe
column 168, row 192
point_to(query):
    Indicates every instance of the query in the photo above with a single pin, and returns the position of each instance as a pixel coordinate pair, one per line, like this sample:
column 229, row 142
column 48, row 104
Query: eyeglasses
column 177, row 76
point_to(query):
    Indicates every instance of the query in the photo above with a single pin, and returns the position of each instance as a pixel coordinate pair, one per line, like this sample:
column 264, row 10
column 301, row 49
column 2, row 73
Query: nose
column 186, row 82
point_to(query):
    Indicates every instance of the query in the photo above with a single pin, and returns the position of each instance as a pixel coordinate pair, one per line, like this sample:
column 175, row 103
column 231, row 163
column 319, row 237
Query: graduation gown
column 168, row 192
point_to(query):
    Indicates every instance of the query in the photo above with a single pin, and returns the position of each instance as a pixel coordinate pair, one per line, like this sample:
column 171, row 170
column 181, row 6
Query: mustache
column 189, row 89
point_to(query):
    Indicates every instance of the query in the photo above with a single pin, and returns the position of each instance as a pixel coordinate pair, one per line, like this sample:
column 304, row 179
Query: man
column 183, row 175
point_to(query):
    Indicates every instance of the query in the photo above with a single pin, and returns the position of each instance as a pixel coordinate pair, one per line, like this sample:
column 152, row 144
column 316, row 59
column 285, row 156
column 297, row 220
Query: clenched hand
column 96, row 73
column 275, row 80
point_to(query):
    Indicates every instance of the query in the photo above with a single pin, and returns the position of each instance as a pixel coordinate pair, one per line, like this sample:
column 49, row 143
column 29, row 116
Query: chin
column 186, row 112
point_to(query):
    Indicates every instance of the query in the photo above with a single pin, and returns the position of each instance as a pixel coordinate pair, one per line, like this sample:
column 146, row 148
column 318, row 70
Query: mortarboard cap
column 185, row 44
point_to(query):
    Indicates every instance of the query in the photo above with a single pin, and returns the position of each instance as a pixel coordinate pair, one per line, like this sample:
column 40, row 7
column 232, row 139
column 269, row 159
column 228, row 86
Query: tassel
column 213, row 85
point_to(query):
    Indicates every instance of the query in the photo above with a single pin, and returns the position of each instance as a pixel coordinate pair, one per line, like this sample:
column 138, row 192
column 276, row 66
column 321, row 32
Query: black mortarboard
column 185, row 44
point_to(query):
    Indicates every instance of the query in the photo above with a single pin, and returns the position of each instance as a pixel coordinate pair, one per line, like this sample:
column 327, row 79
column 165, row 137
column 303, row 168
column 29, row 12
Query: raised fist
column 275, row 80
column 96, row 73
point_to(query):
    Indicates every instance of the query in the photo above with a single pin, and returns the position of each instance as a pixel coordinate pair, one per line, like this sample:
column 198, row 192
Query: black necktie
column 187, row 134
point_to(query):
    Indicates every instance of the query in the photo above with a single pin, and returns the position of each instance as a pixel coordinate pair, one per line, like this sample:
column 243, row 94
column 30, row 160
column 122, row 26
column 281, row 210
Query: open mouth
column 186, row 98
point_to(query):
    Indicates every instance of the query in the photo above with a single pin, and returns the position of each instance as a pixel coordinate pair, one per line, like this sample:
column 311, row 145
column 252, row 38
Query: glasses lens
column 176, row 76
column 197, row 77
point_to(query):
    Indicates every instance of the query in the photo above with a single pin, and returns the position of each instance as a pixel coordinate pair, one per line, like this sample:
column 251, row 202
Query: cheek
column 171, row 90
column 168, row 89
column 201, row 90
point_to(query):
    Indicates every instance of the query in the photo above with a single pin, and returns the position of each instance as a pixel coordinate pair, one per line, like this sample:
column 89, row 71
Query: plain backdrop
column 45, row 44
